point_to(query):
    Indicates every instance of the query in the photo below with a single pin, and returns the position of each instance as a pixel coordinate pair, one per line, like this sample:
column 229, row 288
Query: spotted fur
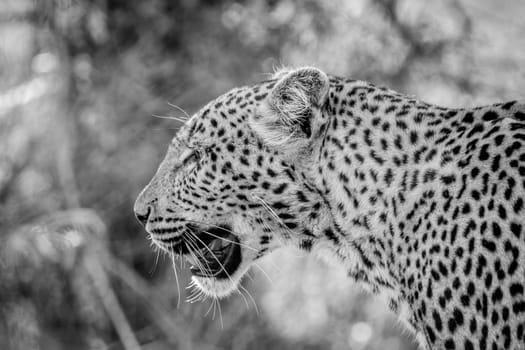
column 422, row 205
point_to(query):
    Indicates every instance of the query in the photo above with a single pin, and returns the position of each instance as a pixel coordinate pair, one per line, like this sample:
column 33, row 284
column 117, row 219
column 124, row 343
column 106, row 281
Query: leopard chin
column 218, row 287
column 217, row 260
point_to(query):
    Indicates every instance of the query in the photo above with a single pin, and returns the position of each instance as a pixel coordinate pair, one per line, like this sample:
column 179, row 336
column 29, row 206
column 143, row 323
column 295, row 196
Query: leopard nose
column 143, row 217
column 142, row 213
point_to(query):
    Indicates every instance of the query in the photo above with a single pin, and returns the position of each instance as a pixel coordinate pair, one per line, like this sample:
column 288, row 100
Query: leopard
column 421, row 205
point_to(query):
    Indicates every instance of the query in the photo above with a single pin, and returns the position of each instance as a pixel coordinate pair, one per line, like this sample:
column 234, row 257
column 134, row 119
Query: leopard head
column 235, row 183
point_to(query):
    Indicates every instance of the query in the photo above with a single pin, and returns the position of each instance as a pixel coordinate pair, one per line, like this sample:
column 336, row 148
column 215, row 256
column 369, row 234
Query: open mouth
column 214, row 252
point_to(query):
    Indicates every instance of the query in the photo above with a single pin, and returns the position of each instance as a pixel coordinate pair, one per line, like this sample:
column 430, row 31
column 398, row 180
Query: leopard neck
column 380, row 150
column 383, row 157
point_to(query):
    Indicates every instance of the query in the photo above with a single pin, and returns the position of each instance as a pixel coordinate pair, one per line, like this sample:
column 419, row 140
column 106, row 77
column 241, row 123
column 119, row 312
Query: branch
column 418, row 49
column 173, row 329
column 110, row 301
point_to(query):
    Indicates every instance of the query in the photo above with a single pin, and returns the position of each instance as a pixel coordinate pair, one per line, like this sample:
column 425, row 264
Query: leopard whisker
column 155, row 262
column 212, row 304
column 249, row 275
column 213, row 255
column 217, row 306
column 196, row 293
column 251, row 298
column 266, row 225
column 219, row 237
column 273, row 214
column 264, row 273
column 194, row 251
column 180, row 109
column 244, row 298
column 190, row 236
column 169, row 117
column 176, row 280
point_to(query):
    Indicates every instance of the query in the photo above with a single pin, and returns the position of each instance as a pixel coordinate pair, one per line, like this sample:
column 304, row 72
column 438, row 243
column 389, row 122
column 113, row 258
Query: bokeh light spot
column 361, row 332
column 44, row 62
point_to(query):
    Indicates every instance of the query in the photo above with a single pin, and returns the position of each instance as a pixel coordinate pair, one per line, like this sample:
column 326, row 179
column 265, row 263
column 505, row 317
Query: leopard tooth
column 216, row 244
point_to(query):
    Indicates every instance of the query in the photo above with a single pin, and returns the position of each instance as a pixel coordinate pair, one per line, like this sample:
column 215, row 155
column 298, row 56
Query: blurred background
column 80, row 82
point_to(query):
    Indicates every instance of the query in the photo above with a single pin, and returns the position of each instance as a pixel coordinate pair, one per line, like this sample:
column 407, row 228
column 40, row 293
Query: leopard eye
column 194, row 156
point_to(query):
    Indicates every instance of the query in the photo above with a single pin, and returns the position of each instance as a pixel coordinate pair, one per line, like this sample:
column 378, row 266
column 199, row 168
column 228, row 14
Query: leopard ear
column 288, row 114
